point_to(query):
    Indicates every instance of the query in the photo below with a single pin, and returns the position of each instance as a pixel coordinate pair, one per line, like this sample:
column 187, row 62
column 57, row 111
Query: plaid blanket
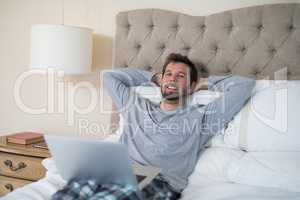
column 83, row 189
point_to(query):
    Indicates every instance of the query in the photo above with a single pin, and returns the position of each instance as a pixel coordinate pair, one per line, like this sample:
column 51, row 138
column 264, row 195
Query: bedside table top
column 27, row 150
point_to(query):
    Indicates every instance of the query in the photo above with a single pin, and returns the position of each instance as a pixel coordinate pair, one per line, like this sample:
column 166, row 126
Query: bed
column 261, row 42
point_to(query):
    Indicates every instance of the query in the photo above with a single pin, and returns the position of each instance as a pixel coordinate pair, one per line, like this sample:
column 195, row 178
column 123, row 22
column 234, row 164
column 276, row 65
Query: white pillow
column 229, row 138
column 213, row 163
column 271, row 121
column 50, row 166
column 268, row 122
column 151, row 93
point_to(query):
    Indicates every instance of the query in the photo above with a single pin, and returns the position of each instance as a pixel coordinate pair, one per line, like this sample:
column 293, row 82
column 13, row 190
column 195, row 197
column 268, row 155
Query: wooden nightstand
column 20, row 165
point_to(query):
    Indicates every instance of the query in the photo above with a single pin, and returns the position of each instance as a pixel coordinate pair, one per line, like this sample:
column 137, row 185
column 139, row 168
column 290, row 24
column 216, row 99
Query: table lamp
column 65, row 48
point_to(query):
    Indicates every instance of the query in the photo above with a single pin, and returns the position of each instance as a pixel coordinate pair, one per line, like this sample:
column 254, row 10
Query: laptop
column 106, row 162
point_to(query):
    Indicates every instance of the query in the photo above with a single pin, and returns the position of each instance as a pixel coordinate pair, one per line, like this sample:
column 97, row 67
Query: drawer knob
column 13, row 168
column 9, row 187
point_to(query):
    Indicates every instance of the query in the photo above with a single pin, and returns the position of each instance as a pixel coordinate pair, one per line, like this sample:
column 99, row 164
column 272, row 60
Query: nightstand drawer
column 18, row 166
column 9, row 184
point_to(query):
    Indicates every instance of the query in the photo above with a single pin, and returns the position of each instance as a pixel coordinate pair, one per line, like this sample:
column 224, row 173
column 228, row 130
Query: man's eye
column 181, row 76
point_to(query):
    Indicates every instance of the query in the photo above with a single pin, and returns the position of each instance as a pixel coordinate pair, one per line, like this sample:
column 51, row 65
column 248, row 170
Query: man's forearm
column 222, row 83
column 236, row 91
column 119, row 81
column 128, row 77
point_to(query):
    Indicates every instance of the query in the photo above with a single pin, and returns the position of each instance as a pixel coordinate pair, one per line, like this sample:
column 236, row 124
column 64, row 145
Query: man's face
column 175, row 81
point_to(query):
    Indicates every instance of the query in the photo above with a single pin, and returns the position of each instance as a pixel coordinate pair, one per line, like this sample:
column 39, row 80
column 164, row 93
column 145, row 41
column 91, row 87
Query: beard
column 170, row 96
column 174, row 96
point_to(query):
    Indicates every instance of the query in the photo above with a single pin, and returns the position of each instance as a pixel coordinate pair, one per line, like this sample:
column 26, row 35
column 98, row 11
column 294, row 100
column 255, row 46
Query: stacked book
column 25, row 138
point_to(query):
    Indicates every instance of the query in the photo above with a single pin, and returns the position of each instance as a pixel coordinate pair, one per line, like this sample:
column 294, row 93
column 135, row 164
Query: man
column 171, row 135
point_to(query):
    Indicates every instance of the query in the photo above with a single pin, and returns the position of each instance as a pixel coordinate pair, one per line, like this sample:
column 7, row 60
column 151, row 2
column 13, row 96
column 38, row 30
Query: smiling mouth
column 171, row 87
column 171, row 92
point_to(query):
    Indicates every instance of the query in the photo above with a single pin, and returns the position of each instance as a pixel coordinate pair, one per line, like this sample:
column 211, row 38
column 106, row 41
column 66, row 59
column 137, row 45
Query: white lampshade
column 65, row 48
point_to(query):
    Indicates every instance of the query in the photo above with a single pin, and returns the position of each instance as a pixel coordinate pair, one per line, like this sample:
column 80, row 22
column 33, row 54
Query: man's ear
column 159, row 79
column 192, row 87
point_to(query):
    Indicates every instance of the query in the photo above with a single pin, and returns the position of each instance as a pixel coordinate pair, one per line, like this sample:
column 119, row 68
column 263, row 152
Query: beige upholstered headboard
column 254, row 41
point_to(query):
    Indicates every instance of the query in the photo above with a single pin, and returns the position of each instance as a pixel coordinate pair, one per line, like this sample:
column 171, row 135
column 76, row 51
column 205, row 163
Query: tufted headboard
column 255, row 41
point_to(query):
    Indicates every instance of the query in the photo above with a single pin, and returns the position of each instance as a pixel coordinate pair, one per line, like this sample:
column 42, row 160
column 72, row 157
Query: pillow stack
column 268, row 122
column 267, row 129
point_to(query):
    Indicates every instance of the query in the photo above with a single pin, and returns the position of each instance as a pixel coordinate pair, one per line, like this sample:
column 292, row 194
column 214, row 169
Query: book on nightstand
column 42, row 145
column 25, row 138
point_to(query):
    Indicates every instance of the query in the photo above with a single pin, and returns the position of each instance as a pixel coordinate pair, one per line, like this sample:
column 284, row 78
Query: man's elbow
column 244, row 84
column 106, row 76
column 250, row 84
column 106, row 72
column 248, row 88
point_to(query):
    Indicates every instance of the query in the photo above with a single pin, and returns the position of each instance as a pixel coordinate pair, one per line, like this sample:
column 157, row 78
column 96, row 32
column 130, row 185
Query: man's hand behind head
column 156, row 78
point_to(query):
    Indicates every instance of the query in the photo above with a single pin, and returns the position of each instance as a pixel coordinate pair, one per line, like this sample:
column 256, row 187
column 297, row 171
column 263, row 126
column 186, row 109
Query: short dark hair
column 178, row 58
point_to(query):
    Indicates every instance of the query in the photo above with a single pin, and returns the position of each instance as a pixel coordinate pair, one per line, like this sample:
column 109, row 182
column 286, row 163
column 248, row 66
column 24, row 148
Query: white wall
column 17, row 16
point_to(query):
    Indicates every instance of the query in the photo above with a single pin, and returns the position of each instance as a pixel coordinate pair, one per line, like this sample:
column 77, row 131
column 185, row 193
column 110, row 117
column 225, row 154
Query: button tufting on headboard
column 149, row 68
column 162, row 47
column 187, row 48
column 260, row 27
column 272, row 50
column 138, row 46
column 253, row 41
column 202, row 26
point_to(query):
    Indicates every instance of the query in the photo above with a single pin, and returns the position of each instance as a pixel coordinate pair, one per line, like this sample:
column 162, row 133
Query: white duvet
column 208, row 189
column 205, row 188
column 220, row 174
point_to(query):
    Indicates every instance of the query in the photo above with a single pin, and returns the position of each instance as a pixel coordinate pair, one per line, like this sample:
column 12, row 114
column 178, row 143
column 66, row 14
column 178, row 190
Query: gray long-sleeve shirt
column 172, row 140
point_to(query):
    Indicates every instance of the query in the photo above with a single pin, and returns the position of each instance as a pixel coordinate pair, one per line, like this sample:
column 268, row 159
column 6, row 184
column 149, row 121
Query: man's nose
column 173, row 78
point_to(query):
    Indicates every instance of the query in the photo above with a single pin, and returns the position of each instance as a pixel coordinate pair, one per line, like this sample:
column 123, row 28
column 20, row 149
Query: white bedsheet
column 209, row 189
column 212, row 179
column 205, row 188
column 200, row 187
column 267, row 169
